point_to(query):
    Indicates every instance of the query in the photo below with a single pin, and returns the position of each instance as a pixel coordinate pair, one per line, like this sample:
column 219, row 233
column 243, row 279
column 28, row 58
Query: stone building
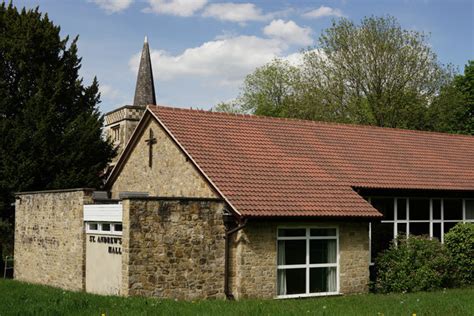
column 121, row 122
column 213, row 205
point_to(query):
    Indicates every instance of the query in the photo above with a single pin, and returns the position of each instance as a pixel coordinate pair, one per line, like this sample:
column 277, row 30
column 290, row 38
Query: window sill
column 98, row 232
column 281, row 297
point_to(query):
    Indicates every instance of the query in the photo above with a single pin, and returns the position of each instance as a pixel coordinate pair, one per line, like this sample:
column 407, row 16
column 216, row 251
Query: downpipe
column 228, row 237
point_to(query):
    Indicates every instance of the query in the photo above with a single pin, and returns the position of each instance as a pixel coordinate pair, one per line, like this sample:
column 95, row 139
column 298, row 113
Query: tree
column 453, row 109
column 376, row 72
column 49, row 120
column 372, row 73
column 270, row 90
column 229, row 107
column 465, row 84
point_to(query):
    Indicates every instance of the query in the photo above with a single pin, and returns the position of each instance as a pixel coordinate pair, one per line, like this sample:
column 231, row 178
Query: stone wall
column 173, row 248
column 171, row 174
column 50, row 239
column 354, row 257
column 254, row 258
column 126, row 119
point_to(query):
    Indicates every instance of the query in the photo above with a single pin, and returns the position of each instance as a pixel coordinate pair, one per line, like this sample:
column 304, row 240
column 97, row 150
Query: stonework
column 128, row 112
column 49, row 238
column 145, row 88
column 354, row 257
column 254, row 258
column 171, row 174
column 173, row 249
column 120, row 124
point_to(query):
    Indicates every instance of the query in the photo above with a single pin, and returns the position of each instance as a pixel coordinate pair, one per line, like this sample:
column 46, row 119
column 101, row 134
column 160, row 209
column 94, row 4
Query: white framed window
column 307, row 261
column 416, row 216
column 117, row 227
column 92, row 227
column 104, row 228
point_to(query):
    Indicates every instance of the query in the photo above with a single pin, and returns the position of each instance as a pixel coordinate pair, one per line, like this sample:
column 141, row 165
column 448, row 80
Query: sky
column 202, row 50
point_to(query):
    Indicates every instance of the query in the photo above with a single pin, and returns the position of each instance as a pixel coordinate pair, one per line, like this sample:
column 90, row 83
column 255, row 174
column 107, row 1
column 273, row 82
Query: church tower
column 121, row 122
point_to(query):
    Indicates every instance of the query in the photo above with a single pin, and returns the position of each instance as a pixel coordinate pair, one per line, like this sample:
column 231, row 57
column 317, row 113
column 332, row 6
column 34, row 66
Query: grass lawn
column 18, row 298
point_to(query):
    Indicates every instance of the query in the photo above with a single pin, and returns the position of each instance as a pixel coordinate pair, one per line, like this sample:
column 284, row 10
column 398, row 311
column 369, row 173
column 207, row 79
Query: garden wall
column 50, row 237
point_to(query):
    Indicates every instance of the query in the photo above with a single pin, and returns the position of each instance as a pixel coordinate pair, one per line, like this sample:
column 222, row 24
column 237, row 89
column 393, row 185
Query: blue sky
column 202, row 49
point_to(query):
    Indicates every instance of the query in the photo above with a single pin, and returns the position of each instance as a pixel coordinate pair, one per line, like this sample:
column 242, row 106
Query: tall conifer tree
column 50, row 126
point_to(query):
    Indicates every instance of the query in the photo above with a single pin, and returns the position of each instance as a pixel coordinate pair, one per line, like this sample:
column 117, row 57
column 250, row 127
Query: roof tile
column 283, row 167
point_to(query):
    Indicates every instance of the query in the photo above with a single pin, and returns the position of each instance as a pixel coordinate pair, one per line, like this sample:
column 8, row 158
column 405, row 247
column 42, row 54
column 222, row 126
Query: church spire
column 145, row 89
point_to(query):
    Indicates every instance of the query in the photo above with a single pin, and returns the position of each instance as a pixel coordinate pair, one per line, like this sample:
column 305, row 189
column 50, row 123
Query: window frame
column 116, row 133
column 431, row 221
column 100, row 231
column 307, row 265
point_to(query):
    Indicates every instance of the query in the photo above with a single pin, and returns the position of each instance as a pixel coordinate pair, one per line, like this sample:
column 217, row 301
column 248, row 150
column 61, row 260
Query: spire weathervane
column 145, row 89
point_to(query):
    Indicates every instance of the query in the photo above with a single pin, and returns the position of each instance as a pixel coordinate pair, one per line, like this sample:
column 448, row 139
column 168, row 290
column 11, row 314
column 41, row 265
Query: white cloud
column 323, row 11
column 182, row 8
column 235, row 12
column 224, row 61
column 289, row 32
column 297, row 59
column 109, row 94
column 113, row 6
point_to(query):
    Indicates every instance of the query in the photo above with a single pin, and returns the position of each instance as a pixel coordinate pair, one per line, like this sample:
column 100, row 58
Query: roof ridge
column 272, row 118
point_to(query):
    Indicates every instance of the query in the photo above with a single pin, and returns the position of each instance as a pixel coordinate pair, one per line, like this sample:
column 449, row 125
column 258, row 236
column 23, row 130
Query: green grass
column 18, row 298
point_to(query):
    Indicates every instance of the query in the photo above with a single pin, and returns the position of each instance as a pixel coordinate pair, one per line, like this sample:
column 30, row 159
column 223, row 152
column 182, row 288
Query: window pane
column 469, row 209
column 322, row 280
column 402, row 209
column 453, row 209
column 291, row 252
column 419, row 209
column 292, row 232
column 384, row 206
column 448, row 226
column 93, row 226
column 291, row 281
column 323, row 232
column 436, row 209
column 419, row 228
column 106, row 227
column 322, row 251
column 382, row 235
column 437, row 231
column 118, row 227
column 402, row 229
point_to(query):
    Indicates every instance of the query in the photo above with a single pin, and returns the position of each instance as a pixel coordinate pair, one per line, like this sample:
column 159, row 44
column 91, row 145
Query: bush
column 460, row 243
column 413, row 264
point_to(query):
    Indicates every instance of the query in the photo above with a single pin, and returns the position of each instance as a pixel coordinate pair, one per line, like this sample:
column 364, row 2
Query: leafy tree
column 465, row 83
column 270, row 90
column 229, row 107
column 372, row 73
column 376, row 72
column 50, row 125
column 453, row 109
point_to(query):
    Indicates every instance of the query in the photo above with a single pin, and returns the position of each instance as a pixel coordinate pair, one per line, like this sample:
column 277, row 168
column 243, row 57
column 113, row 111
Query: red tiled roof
column 277, row 167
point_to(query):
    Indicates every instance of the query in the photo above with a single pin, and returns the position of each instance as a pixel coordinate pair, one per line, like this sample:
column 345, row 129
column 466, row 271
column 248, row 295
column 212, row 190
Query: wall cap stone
column 127, row 106
column 55, row 191
column 171, row 198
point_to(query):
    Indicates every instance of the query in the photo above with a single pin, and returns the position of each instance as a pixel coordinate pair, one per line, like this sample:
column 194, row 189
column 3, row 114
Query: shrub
column 460, row 243
column 413, row 264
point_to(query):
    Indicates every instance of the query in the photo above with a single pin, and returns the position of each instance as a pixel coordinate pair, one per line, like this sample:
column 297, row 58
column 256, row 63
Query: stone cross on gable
column 150, row 141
